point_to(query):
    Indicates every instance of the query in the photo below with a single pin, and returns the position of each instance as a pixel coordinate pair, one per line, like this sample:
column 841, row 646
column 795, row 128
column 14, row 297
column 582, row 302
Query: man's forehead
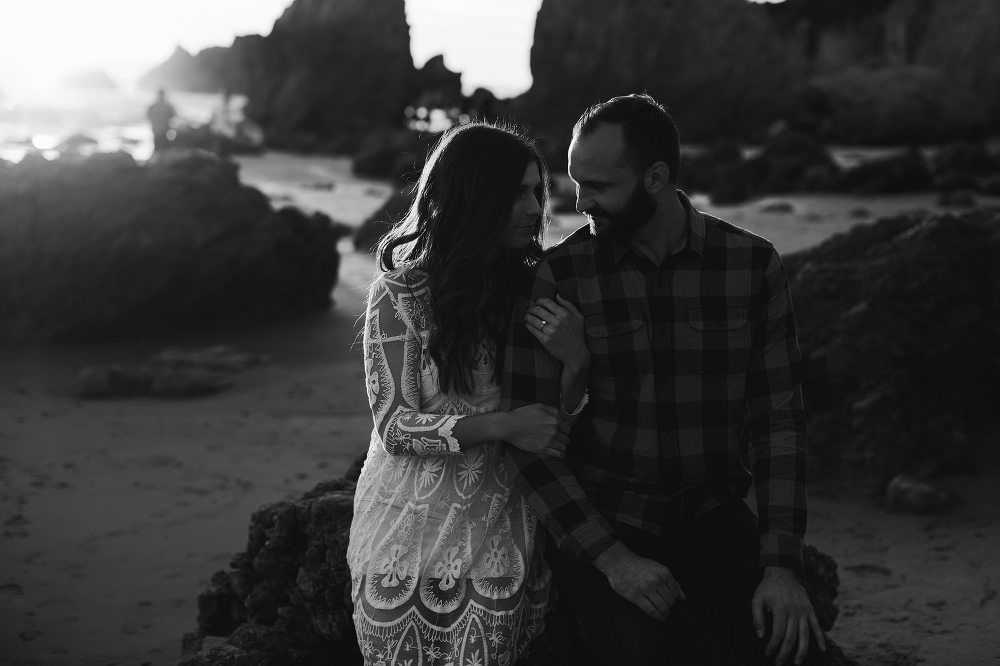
column 602, row 149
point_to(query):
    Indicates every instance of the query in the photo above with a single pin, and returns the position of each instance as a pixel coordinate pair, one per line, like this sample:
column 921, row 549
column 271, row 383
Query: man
column 160, row 113
column 694, row 395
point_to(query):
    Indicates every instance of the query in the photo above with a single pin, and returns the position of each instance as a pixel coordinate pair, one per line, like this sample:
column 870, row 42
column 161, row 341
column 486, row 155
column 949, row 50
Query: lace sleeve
column 396, row 320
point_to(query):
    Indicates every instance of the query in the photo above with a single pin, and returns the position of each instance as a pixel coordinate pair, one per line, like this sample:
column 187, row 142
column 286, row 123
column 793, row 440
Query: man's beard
column 621, row 225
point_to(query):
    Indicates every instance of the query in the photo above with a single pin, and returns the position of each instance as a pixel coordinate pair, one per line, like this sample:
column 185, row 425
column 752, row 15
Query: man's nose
column 584, row 202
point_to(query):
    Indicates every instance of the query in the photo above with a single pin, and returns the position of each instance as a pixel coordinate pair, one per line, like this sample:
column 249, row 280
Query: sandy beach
column 115, row 513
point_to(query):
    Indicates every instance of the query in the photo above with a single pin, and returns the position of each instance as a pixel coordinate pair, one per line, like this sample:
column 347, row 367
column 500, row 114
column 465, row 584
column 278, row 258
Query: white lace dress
column 444, row 557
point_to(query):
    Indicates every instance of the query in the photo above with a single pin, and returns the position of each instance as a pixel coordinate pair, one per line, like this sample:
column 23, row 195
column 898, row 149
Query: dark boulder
column 903, row 172
column 395, row 153
column 964, row 165
column 894, row 105
column 438, row 86
column 124, row 248
column 898, row 328
column 909, row 494
column 886, row 72
column 286, row 599
column 789, row 161
column 699, row 170
column 796, row 161
column 328, row 72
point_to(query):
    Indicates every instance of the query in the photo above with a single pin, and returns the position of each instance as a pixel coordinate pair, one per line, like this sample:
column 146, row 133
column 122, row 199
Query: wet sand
column 115, row 513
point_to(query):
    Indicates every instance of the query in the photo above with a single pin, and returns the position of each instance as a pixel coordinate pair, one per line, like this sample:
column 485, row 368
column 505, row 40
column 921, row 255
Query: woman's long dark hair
column 453, row 231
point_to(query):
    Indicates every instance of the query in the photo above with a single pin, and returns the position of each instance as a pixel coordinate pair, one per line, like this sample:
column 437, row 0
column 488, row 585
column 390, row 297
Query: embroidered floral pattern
column 497, row 560
column 433, row 523
column 449, row 569
column 394, row 566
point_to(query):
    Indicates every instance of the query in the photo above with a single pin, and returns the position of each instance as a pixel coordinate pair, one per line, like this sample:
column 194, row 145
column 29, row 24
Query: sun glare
column 44, row 41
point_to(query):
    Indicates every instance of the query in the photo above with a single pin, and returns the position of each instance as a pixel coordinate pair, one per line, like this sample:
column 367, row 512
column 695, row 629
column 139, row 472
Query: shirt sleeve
column 395, row 328
column 531, row 375
column 777, row 427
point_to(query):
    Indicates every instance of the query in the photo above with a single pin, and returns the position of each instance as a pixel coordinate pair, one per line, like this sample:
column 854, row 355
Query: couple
column 625, row 387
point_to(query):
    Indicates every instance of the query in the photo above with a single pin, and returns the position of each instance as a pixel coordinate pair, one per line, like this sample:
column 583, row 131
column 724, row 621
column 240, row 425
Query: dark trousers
column 714, row 559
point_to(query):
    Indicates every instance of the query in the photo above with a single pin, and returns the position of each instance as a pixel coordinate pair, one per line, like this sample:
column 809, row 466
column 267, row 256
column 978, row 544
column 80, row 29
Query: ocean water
column 41, row 119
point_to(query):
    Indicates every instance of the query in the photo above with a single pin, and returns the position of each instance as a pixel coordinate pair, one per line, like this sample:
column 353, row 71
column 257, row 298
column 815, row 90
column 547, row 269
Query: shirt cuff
column 781, row 549
column 590, row 539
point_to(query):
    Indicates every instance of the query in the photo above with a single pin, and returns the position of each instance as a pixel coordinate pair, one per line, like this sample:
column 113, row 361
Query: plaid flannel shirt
column 694, row 386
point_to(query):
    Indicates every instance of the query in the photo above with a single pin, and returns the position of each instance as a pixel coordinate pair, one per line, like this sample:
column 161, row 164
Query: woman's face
column 524, row 216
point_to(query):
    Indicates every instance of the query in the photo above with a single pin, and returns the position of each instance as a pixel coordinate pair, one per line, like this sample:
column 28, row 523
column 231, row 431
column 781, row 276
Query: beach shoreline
column 116, row 513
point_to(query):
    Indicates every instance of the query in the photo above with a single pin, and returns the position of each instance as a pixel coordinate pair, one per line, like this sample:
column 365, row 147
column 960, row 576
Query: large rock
column 790, row 161
column 902, row 172
column 904, row 104
column 286, row 599
column 856, row 70
column 329, row 71
column 720, row 66
column 104, row 247
column 899, row 332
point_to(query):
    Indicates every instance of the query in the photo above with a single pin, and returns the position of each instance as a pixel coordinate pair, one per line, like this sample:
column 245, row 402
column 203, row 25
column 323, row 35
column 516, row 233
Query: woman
column 444, row 554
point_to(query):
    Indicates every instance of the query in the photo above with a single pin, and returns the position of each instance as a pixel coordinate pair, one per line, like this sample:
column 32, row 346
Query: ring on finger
column 543, row 324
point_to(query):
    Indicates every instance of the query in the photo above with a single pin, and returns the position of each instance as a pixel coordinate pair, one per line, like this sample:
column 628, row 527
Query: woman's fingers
column 568, row 305
column 550, row 305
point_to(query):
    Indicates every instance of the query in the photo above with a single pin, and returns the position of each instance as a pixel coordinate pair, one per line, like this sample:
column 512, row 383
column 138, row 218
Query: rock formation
column 899, row 332
column 101, row 247
column 286, row 599
column 329, row 71
column 720, row 66
column 853, row 71
column 795, row 161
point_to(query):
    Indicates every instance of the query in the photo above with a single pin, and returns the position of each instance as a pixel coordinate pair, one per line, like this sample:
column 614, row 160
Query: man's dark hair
column 649, row 131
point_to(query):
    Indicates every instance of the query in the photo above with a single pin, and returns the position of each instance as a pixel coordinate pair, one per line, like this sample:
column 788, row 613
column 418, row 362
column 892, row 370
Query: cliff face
column 929, row 69
column 342, row 66
column 329, row 71
column 721, row 66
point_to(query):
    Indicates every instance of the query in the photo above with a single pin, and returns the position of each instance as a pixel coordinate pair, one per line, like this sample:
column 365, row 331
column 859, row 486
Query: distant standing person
column 160, row 113
column 224, row 124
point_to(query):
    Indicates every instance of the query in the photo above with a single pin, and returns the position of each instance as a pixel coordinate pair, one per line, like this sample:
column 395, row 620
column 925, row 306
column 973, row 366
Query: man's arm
column 531, row 375
column 776, row 421
column 777, row 455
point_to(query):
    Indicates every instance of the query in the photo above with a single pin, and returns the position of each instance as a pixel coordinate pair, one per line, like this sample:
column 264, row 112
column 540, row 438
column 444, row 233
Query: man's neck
column 664, row 233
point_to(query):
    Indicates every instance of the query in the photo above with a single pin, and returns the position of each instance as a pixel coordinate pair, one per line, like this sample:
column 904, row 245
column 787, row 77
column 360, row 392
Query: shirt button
column 659, row 283
column 661, row 331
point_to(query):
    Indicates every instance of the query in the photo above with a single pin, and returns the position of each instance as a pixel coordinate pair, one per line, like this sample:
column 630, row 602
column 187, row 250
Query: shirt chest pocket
column 619, row 345
column 719, row 340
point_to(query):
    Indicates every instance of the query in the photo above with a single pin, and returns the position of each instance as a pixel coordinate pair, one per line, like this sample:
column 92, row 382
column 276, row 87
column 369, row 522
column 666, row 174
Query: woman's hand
column 537, row 429
column 559, row 327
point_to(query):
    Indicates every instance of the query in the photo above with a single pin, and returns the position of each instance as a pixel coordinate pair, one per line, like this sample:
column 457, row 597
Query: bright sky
column 42, row 41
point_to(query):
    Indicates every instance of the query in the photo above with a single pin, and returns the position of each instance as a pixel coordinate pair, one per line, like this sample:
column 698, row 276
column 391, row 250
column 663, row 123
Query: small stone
column 908, row 494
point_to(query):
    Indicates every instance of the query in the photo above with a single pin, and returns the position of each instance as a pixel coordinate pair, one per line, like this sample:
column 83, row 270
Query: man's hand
column 791, row 613
column 646, row 583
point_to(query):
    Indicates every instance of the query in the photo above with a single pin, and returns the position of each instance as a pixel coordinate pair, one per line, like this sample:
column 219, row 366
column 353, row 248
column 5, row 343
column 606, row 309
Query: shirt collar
column 696, row 233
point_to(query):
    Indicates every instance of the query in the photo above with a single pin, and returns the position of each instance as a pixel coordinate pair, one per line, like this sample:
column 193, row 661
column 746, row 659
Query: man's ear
column 657, row 177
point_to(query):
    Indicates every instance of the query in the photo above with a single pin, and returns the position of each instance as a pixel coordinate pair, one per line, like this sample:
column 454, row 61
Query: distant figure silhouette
column 160, row 113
